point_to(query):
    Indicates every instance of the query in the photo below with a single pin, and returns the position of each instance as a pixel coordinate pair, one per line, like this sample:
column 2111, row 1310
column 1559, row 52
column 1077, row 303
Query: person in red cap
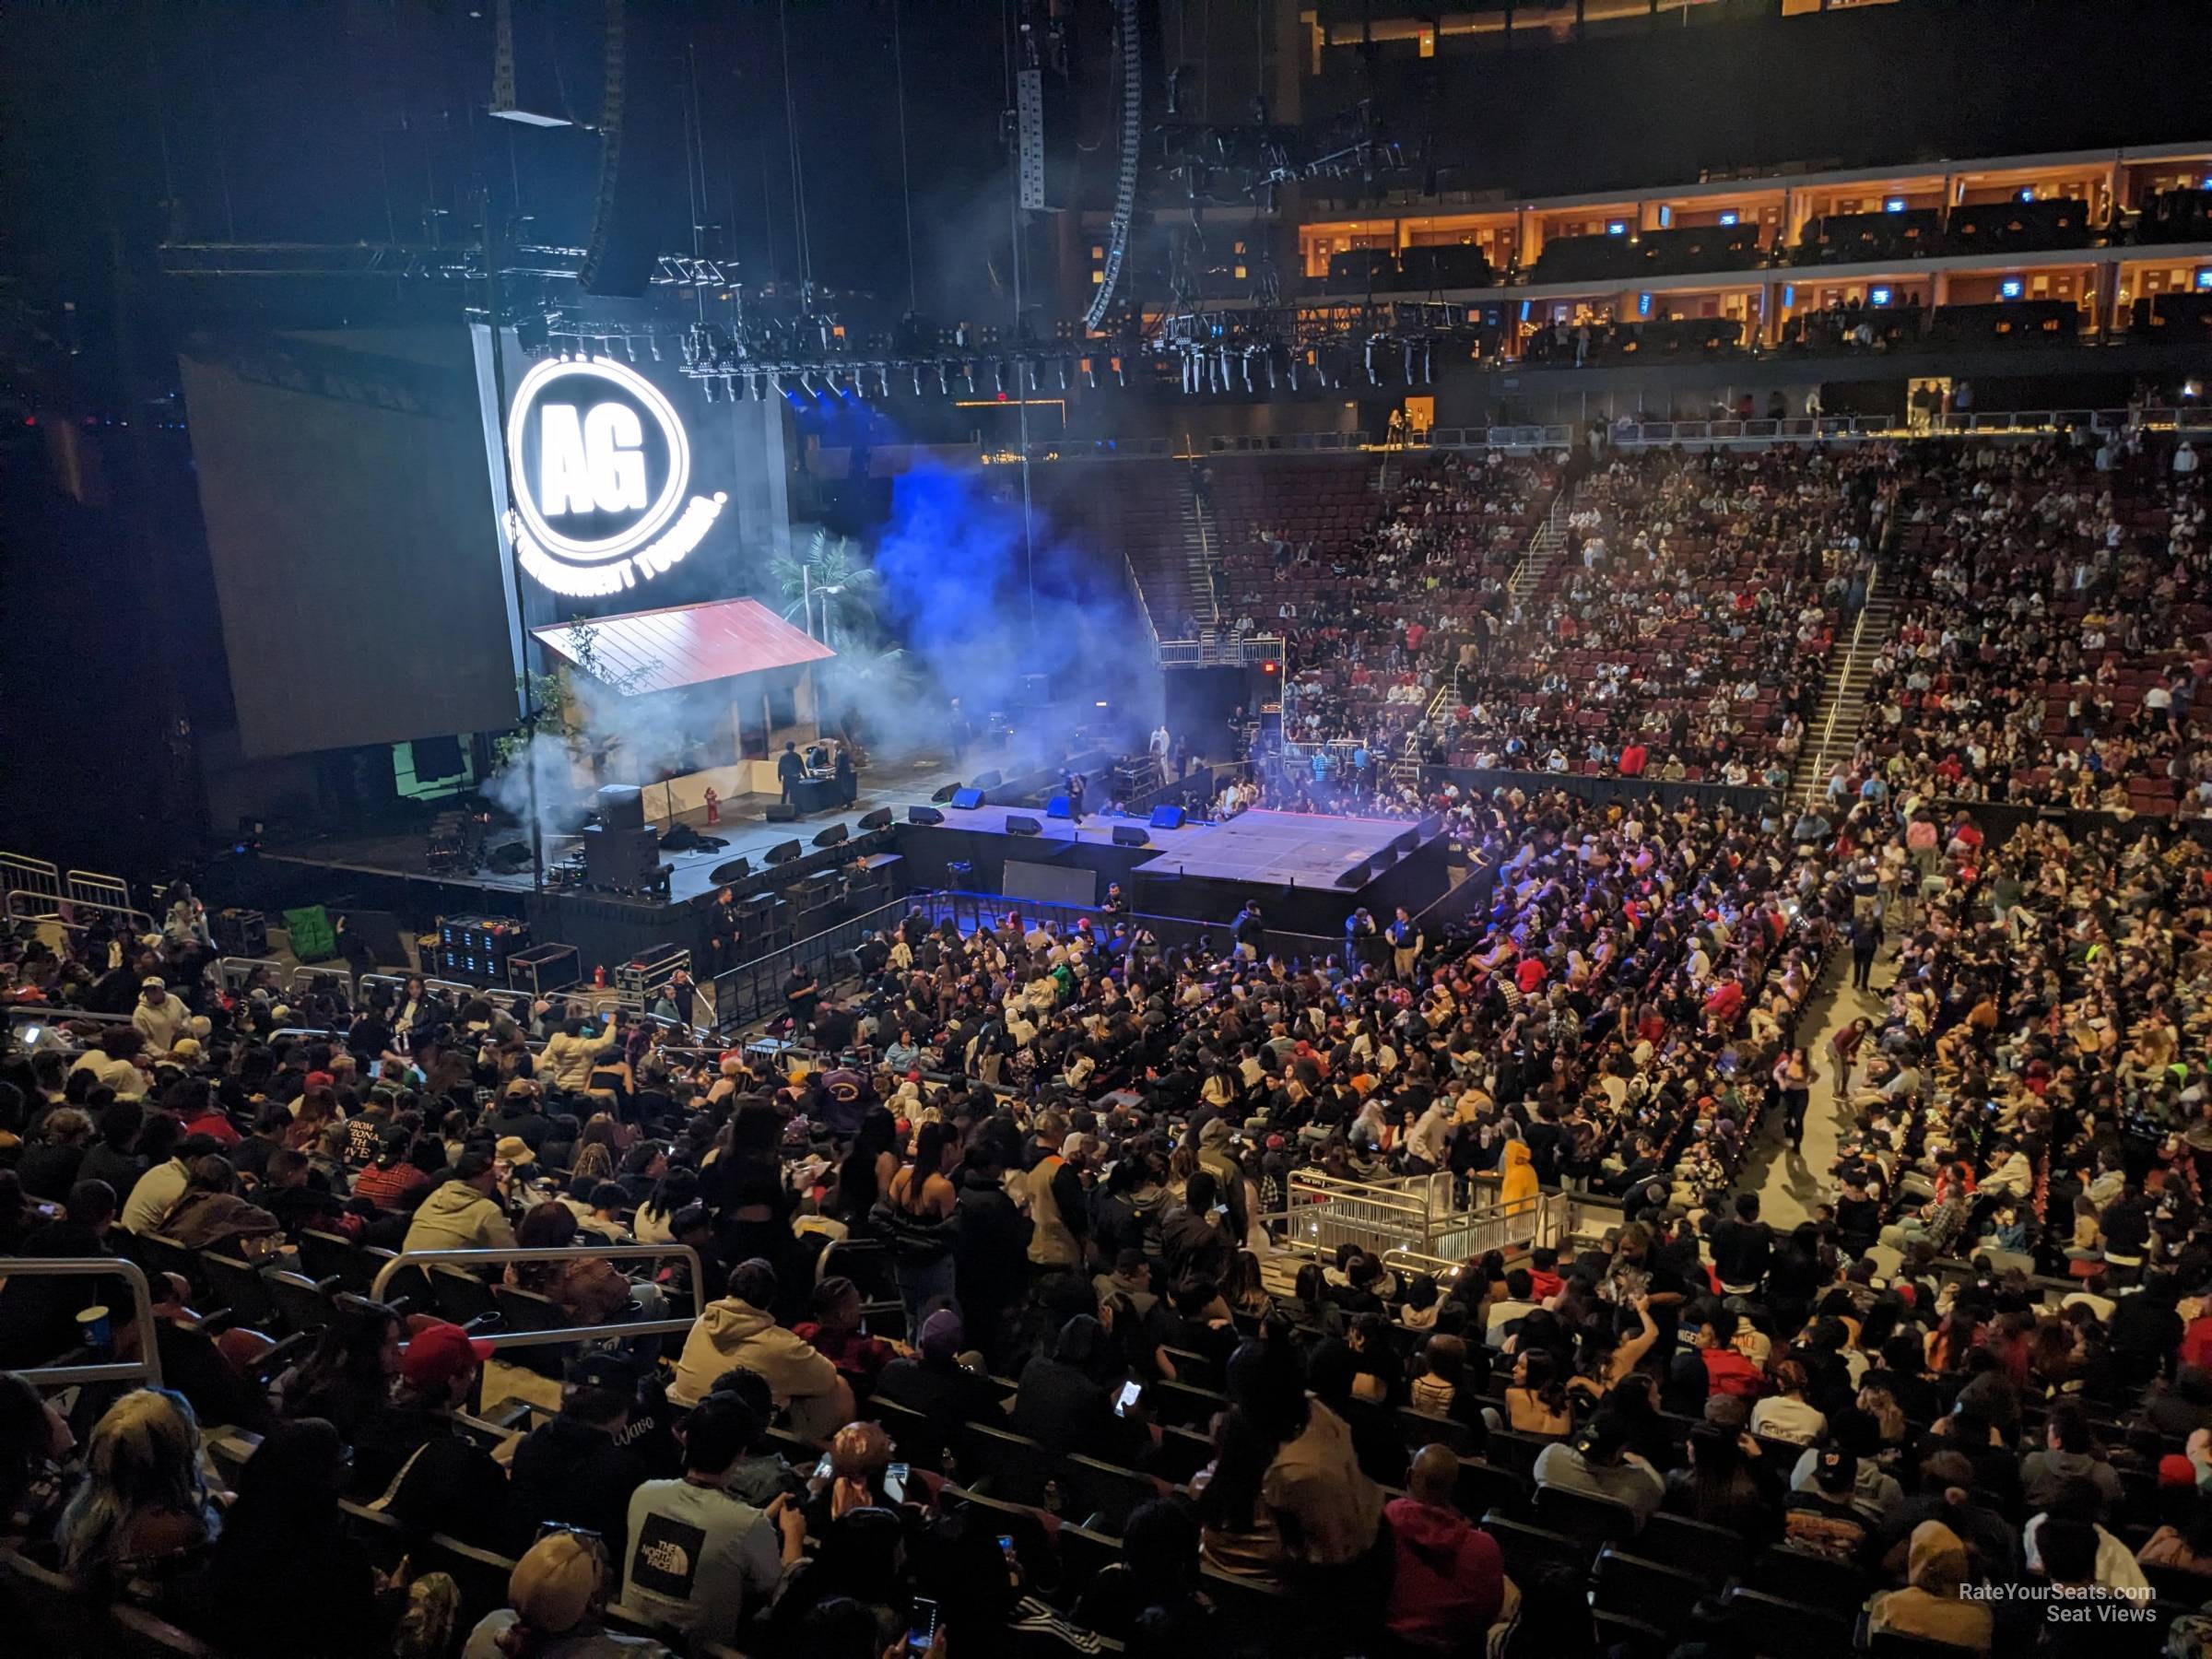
column 416, row 1459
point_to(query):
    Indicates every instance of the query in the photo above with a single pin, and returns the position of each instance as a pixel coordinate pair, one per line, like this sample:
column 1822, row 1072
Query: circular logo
column 599, row 460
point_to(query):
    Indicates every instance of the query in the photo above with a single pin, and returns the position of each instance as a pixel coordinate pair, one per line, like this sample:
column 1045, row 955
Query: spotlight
column 1064, row 366
column 1247, row 368
column 1091, row 373
column 1121, row 376
column 944, row 379
column 917, row 380
column 807, row 382
column 967, row 375
column 1031, row 366
column 998, row 376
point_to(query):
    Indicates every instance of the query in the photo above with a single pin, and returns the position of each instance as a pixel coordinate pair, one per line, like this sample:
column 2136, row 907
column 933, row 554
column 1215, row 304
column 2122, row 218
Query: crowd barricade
column 145, row 1369
column 236, row 971
column 1746, row 798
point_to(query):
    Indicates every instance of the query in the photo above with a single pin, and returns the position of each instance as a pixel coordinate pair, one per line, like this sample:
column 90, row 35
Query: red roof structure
column 686, row 644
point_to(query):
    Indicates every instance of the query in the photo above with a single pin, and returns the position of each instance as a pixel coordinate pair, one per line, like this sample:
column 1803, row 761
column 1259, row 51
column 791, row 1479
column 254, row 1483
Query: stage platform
column 1274, row 849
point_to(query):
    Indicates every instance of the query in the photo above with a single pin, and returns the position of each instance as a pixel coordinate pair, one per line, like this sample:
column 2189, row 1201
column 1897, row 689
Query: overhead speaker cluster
column 641, row 147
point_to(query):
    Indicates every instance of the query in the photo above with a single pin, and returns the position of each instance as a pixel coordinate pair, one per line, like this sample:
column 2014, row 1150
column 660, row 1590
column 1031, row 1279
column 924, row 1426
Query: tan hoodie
column 732, row 1333
column 1931, row 1609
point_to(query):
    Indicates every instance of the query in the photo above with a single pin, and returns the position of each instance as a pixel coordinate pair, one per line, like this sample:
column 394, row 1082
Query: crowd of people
column 2051, row 644
column 988, row 1320
column 1683, row 633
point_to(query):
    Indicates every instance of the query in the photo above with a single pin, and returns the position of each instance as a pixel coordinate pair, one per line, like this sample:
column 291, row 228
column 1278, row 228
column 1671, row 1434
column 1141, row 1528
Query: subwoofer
column 782, row 812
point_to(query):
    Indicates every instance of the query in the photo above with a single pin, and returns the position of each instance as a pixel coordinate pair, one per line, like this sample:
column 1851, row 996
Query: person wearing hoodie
column 739, row 1330
column 1517, row 1180
column 1931, row 1607
column 463, row 1213
column 1218, row 1160
column 2069, row 1453
column 1450, row 1582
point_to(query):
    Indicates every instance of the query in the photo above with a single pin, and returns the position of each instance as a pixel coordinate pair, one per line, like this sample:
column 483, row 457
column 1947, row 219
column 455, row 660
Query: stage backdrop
column 346, row 490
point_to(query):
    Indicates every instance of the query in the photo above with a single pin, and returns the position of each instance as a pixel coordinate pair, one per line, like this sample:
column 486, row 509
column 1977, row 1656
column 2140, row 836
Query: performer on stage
column 1075, row 796
column 713, row 807
column 790, row 768
column 848, row 784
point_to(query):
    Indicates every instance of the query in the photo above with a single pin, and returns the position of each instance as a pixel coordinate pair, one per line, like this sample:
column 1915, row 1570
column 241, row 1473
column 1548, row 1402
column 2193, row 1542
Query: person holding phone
column 699, row 1558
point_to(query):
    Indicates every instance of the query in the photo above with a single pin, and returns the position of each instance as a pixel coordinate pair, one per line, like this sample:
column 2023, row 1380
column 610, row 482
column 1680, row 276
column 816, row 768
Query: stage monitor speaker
column 833, row 836
column 1018, row 825
column 738, row 869
column 621, row 806
column 878, row 819
column 1406, row 842
column 1058, row 807
column 1167, row 817
column 989, row 780
column 924, row 815
column 1131, row 835
column 782, row 812
column 1356, row 876
column 640, row 145
column 627, row 859
column 944, row 795
column 967, row 800
column 784, row 851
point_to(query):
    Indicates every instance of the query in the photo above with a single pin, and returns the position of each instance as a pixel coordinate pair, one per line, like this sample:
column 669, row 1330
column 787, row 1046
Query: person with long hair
column 675, row 1191
column 348, row 1379
column 1718, row 1487
column 1787, row 1415
column 143, row 1510
column 1535, row 1401
column 285, row 1577
column 1311, row 1303
column 916, row 1215
column 588, row 1290
column 1244, row 1292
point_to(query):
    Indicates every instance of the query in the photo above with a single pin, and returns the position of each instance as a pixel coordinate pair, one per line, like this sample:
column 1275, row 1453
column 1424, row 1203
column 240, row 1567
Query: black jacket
column 1064, row 1410
column 574, row 1474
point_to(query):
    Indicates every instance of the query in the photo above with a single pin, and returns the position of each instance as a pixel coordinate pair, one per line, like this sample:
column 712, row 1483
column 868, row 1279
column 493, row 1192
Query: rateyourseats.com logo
column 601, row 466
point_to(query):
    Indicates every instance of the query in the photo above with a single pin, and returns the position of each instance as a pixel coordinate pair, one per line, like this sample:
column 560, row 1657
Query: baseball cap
column 153, row 982
column 553, row 1584
column 1836, row 1470
column 319, row 1080
column 439, row 1352
column 942, row 1334
column 515, row 1150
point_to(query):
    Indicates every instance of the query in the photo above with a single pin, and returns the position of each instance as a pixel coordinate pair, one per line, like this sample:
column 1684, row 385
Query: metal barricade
column 236, row 971
column 576, row 1334
column 92, row 887
column 145, row 1369
column 36, row 877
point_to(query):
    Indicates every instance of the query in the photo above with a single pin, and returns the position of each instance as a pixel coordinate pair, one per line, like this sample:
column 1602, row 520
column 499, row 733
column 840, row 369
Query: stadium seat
column 1589, row 1520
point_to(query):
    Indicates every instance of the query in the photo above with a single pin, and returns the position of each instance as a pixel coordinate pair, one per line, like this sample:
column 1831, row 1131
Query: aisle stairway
column 1546, row 545
column 1833, row 731
column 1202, row 552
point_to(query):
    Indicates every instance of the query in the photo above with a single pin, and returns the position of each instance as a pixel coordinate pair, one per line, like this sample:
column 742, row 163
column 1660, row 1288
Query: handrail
column 595, row 1253
column 145, row 1369
column 1835, row 706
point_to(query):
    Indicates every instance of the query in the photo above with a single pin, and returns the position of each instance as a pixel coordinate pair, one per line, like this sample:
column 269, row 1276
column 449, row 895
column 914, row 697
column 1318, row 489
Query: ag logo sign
column 600, row 465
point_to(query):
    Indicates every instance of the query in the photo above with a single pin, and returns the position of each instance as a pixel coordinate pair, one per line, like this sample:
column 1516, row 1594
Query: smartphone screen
column 894, row 1483
column 1005, row 1545
column 822, row 1471
column 921, row 1629
column 1131, row 1393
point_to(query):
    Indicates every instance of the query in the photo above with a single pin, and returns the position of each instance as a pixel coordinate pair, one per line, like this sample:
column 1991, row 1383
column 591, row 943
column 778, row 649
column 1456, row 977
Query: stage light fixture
column 998, row 376
column 729, row 387
column 1409, row 362
column 944, row 379
column 807, row 382
column 1031, row 367
column 1091, row 374
column 708, row 386
column 967, row 375
column 652, row 343
column 775, row 380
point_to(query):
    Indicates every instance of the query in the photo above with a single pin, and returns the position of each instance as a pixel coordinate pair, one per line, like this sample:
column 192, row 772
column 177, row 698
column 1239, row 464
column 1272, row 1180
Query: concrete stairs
column 1832, row 732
